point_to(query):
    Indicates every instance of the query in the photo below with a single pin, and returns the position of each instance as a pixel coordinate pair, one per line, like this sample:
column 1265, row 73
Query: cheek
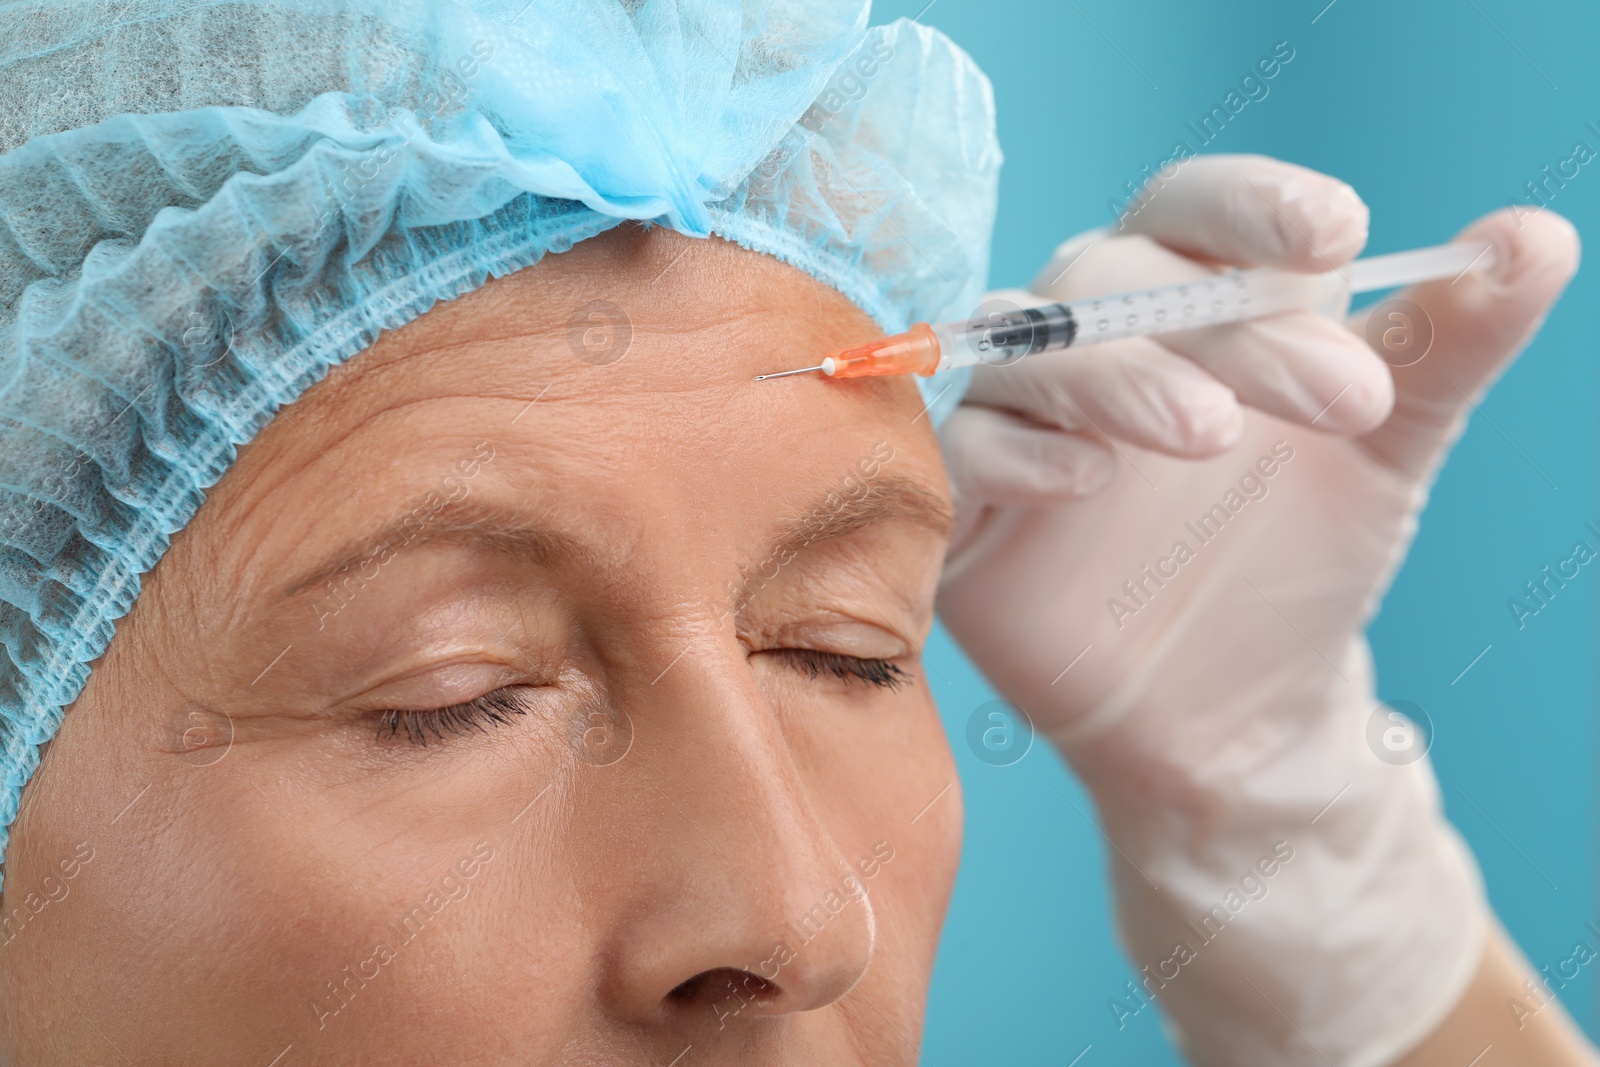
column 893, row 792
column 265, row 908
column 159, row 920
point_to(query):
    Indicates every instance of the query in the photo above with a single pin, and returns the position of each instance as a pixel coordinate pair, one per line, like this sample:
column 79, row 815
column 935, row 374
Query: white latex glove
column 1224, row 721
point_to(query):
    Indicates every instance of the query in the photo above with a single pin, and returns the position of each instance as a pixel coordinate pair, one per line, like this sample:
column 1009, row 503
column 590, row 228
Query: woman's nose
column 740, row 904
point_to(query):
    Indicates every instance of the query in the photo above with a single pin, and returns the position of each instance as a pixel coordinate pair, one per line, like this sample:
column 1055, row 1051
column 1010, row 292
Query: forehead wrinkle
column 705, row 357
column 693, row 293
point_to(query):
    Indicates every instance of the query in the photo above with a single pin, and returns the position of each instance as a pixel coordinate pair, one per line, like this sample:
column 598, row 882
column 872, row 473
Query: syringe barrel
column 1000, row 332
column 1003, row 333
column 1223, row 298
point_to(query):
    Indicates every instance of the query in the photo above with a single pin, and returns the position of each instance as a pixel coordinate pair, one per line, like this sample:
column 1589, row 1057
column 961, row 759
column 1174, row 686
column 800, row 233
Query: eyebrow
column 508, row 531
column 886, row 498
column 483, row 527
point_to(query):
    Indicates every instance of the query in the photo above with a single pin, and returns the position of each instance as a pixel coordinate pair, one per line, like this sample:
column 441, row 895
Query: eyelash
column 414, row 726
column 501, row 705
column 883, row 673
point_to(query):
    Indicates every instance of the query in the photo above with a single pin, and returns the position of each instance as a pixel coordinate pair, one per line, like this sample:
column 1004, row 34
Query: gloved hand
column 1219, row 704
column 1180, row 394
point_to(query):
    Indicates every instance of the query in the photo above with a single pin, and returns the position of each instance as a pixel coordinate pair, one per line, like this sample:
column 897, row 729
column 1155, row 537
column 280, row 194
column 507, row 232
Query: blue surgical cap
column 207, row 204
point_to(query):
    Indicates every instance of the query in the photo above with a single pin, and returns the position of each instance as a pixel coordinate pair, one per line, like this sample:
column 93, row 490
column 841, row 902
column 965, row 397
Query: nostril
column 721, row 983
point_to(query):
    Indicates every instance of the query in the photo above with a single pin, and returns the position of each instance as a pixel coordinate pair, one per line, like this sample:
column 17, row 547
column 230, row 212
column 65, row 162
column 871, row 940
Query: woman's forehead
column 637, row 319
column 501, row 401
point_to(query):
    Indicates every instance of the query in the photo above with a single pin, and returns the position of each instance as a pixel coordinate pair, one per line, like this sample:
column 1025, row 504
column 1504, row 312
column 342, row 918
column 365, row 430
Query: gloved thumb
column 1448, row 340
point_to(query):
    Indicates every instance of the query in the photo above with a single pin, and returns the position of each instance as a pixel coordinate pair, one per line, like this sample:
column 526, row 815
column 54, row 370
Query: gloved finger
column 1252, row 211
column 1133, row 390
column 1302, row 367
column 1478, row 322
column 996, row 457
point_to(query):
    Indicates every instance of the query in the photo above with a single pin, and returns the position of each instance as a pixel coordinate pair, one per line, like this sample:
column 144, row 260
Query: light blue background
column 1436, row 111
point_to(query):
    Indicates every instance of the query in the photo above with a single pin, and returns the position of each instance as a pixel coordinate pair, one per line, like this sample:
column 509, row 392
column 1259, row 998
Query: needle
column 785, row 374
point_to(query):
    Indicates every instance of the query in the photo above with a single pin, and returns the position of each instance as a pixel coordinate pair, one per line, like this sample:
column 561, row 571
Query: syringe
column 1001, row 333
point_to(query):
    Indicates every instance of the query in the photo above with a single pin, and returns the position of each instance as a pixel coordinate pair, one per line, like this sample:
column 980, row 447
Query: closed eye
column 501, row 706
column 414, row 727
column 814, row 663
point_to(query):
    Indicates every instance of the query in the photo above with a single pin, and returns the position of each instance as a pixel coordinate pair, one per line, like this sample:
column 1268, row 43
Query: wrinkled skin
column 680, row 776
